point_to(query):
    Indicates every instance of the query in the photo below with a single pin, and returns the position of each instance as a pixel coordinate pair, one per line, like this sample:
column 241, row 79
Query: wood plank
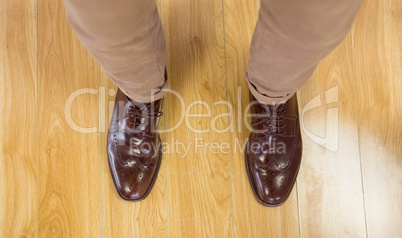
column 329, row 182
column 72, row 170
column 199, row 197
column 251, row 219
column 18, row 75
column 69, row 160
column 377, row 56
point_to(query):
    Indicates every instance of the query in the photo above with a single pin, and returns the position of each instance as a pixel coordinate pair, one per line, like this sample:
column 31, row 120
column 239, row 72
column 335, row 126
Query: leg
column 290, row 39
column 126, row 38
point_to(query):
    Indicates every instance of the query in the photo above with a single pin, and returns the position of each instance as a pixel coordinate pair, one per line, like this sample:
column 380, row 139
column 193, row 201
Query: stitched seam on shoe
column 252, row 182
column 286, row 167
column 153, row 179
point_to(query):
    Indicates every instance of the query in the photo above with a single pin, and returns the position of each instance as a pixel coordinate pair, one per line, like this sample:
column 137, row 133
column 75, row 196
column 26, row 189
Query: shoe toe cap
column 134, row 187
column 128, row 192
column 270, row 199
column 272, row 190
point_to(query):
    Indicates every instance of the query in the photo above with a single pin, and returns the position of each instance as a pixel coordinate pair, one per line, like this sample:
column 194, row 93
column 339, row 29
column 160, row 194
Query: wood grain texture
column 377, row 56
column 251, row 219
column 329, row 182
column 199, row 198
column 55, row 180
column 18, row 63
column 69, row 160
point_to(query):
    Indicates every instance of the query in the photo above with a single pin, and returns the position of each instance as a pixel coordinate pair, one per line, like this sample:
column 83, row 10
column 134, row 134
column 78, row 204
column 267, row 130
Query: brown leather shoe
column 274, row 150
column 134, row 147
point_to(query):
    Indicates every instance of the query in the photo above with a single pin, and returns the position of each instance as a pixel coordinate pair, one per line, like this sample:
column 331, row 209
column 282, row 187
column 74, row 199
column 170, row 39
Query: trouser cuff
column 267, row 99
column 154, row 95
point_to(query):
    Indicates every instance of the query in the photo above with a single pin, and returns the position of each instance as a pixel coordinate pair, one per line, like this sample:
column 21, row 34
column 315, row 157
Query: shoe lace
column 272, row 120
column 133, row 116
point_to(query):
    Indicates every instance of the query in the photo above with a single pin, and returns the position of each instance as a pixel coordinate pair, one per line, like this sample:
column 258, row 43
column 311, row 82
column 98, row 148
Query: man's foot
column 134, row 147
column 274, row 150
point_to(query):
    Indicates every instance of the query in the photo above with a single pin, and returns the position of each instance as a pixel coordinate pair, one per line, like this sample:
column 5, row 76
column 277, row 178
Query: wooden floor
column 55, row 181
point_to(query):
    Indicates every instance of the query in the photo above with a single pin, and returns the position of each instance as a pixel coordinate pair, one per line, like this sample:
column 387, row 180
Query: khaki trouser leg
column 126, row 38
column 290, row 39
